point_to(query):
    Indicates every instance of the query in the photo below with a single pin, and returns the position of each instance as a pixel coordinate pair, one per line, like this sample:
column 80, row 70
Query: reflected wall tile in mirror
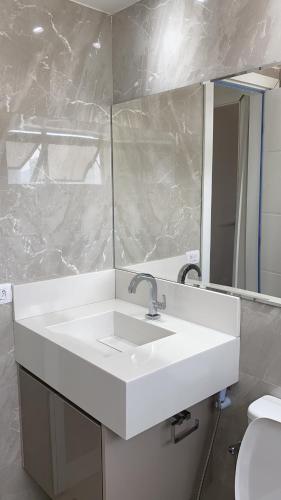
column 158, row 46
column 157, row 154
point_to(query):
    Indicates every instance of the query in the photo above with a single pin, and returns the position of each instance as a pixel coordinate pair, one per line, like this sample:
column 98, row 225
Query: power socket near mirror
column 193, row 257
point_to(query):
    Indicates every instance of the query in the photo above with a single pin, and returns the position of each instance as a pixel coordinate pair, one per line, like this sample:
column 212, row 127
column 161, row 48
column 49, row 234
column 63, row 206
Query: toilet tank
column 265, row 407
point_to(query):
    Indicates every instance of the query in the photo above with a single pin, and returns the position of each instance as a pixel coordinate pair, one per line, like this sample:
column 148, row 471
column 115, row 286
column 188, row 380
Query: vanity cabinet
column 73, row 457
column 62, row 448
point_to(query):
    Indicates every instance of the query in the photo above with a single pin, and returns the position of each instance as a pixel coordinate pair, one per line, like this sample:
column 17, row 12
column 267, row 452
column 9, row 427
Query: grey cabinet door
column 61, row 445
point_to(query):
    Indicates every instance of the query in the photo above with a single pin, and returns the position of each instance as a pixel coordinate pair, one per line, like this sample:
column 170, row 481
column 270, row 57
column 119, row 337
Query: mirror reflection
column 157, row 159
column 196, row 183
column 245, row 223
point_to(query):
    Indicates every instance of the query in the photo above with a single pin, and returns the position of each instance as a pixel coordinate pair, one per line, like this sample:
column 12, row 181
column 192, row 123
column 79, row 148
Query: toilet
column 258, row 471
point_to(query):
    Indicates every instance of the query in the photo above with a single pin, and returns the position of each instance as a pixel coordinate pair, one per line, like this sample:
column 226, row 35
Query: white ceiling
column 108, row 6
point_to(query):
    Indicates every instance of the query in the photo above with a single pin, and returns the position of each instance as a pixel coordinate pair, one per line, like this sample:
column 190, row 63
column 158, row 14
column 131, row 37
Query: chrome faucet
column 153, row 304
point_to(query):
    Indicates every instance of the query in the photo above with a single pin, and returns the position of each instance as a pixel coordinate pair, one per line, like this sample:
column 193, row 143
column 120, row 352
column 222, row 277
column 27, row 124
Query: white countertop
column 128, row 392
column 125, row 371
column 190, row 339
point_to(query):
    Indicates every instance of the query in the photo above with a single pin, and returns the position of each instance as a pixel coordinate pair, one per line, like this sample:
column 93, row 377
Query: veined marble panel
column 161, row 45
column 63, row 71
column 157, row 157
column 55, row 140
column 55, row 171
column 56, row 202
column 54, row 230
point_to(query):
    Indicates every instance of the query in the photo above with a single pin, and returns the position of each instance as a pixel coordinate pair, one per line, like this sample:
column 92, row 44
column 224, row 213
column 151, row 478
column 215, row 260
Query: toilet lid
column 258, row 472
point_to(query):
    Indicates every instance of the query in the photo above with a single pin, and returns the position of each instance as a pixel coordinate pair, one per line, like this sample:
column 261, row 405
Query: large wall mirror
column 197, row 178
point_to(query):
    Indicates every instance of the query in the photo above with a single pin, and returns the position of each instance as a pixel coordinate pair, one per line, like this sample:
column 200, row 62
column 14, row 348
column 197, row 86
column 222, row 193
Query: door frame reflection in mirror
column 266, row 84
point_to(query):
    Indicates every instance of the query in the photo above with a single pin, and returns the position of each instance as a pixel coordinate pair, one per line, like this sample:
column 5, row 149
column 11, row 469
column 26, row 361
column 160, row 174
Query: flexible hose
column 209, row 455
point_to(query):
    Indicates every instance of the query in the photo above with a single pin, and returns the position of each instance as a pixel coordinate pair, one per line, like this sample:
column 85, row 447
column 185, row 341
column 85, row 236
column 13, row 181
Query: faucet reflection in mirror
column 185, row 270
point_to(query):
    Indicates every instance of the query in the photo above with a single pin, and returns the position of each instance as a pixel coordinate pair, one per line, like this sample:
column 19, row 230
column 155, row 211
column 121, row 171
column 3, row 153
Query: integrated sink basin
column 127, row 372
column 109, row 333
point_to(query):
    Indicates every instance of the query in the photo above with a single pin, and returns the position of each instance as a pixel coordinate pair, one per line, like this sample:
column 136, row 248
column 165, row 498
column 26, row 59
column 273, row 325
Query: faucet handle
column 162, row 305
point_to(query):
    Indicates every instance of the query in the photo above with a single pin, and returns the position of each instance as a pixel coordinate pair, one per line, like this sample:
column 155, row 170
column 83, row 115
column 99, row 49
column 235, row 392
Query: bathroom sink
column 127, row 372
column 110, row 333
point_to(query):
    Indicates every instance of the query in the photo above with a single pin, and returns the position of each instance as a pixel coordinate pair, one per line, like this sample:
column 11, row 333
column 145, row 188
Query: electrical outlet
column 193, row 257
column 6, row 294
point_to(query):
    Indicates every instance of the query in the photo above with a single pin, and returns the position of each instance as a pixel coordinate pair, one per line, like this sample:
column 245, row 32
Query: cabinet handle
column 178, row 420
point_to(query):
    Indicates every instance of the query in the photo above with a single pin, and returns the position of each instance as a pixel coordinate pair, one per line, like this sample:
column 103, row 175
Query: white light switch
column 6, row 294
column 193, row 257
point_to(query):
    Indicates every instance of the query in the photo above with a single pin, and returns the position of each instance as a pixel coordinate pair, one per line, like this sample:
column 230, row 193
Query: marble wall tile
column 65, row 71
column 52, row 231
column 261, row 342
column 259, row 375
column 55, row 171
column 157, row 151
column 159, row 46
column 55, row 142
